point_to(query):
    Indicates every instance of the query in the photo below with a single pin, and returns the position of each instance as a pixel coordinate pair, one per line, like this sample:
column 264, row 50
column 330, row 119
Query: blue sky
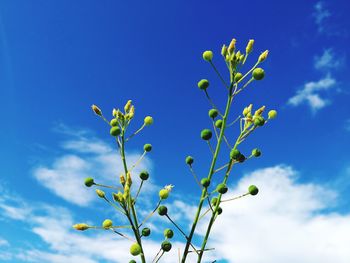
column 57, row 58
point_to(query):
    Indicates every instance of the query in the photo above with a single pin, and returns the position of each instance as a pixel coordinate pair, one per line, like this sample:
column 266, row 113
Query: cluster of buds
column 257, row 119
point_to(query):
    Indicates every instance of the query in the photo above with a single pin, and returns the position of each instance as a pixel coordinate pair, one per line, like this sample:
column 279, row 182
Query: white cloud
column 309, row 93
column 3, row 242
column 84, row 158
column 320, row 15
column 327, row 60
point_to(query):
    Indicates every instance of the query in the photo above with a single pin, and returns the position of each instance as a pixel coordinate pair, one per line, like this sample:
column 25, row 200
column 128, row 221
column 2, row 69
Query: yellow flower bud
column 106, row 224
column 272, row 114
column 232, row 46
column 224, row 51
column 148, row 120
column 96, row 110
column 127, row 106
column 122, row 179
column 100, row 193
column 259, row 111
column 128, row 179
column 115, row 113
column 263, row 56
column 249, row 47
column 81, row 226
column 132, row 112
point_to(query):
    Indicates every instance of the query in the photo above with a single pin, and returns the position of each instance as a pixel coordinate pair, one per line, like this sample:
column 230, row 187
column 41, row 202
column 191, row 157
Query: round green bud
column 256, row 152
column 189, row 160
column 218, row 124
column 213, row 113
column 253, row 190
column 205, row 182
column 203, row 84
column 163, row 194
column 89, row 182
column 258, row 74
column 146, row 232
column 208, row 55
column 162, row 210
column 148, row 120
column 238, row 76
column 259, row 121
column 144, row 175
column 115, row 131
column 206, row 134
column 147, row 147
column 135, row 249
column 234, row 154
column 222, row 188
column 166, row 246
column 107, row 224
column 113, row 122
column 132, row 261
column 272, row 114
column 214, row 201
column 168, row 233
column 219, row 211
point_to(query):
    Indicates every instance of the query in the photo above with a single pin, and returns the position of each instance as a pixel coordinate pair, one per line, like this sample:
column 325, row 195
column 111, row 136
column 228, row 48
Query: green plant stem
column 211, row 171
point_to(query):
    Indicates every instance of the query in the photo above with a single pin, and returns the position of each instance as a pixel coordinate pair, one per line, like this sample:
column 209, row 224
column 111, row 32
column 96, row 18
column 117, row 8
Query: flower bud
column 168, row 233
column 272, row 114
column 222, row 188
column 148, row 120
column 115, row 113
column 232, row 46
column 206, row 134
column 224, row 51
column 96, row 110
column 100, row 193
column 203, row 84
column 162, row 210
column 219, row 210
column 135, row 249
column 247, row 110
column 241, row 158
column 189, row 160
column 132, row 112
column 144, row 175
column 146, row 232
column 122, row 179
column 218, row 124
column 241, row 57
column 81, row 226
column 238, row 77
column 113, row 122
column 214, row 201
column 208, row 55
column 256, row 152
column 205, row 182
column 249, row 47
column 258, row 74
column 107, row 224
column 132, row 261
column 115, row 131
column 147, row 147
column 163, row 194
column 253, row 190
column 166, row 246
column 118, row 197
column 259, row 121
column 127, row 106
column 259, row 111
column 213, row 113
column 234, row 154
column 89, row 182
column 263, row 56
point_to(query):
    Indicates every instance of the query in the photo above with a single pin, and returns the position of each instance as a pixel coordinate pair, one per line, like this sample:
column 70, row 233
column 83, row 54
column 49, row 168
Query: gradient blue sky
column 59, row 57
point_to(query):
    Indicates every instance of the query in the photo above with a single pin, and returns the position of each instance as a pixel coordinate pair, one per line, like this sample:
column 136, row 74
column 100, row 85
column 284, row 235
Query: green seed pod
column 115, row 131
column 219, row 211
column 166, row 246
column 259, row 121
column 253, row 190
column 107, row 224
column 168, row 233
column 203, row 84
column 218, row 124
column 258, row 74
column 208, row 55
column 81, row 226
column 144, row 175
column 132, row 261
column 213, row 113
column 135, row 249
column 162, row 210
column 222, row 188
column 205, row 182
column 148, row 120
column 189, row 160
column 147, row 147
column 256, row 152
column 89, row 182
column 234, row 154
column 100, row 193
column 113, row 122
column 272, row 114
column 146, row 232
column 206, row 134
column 238, row 76
column 163, row 194
column 214, row 201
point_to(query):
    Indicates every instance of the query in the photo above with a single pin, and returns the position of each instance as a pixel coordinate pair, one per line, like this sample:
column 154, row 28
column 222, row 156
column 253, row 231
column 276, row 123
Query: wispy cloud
column 320, row 14
column 310, row 93
column 328, row 60
column 3, row 242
